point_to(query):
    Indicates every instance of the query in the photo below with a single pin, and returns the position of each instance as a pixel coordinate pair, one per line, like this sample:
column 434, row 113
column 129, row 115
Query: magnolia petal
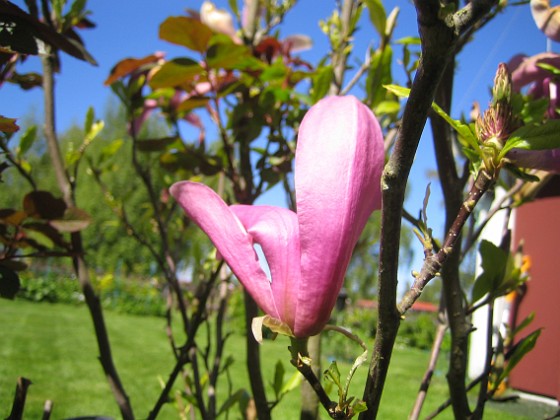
column 297, row 43
column 276, row 230
column 215, row 218
column 218, row 20
column 547, row 18
column 525, row 70
column 339, row 160
column 545, row 160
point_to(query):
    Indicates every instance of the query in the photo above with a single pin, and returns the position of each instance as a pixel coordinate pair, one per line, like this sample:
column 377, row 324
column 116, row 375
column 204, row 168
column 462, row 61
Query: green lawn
column 53, row 345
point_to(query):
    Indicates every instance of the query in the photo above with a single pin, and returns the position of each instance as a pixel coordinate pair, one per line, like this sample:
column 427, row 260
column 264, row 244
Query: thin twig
column 426, row 380
column 196, row 321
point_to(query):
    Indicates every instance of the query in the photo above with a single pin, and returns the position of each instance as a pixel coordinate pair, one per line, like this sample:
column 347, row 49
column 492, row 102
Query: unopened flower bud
column 501, row 92
column 494, row 128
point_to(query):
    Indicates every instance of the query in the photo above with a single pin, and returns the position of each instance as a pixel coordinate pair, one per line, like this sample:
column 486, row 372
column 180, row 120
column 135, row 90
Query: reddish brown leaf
column 128, row 65
column 8, row 125
column 43, row 205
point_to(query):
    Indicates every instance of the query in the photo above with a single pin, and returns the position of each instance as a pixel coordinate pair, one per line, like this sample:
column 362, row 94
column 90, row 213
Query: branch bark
column 439, row 37
column 78, row 260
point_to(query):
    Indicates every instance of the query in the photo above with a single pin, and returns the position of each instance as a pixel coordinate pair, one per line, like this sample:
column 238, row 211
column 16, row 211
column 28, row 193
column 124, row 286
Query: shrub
column 131, row 296
column 50, row 287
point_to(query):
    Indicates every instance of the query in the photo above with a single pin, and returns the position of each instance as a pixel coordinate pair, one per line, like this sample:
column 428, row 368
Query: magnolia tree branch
column 340, row 56
column 438, row 42
column 80, row 267
column 254, row 360
column 452, row 186
column 19, row 398
column 8, row 154
column 300, row 360
column 185, row 355
column 432, row 266
column 426, row 380
column 164, row 258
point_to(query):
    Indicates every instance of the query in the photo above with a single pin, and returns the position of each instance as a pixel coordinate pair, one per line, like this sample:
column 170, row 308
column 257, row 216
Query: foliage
column 130, row 296
column 244, row 91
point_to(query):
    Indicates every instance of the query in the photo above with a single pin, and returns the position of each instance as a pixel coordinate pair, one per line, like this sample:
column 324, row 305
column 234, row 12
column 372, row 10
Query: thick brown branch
column 19, row 399
column 78, row 260
column 438, row 42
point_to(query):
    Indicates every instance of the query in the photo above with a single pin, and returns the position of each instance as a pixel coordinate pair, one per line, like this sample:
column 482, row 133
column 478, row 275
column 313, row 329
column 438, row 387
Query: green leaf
column 379, row 75
column 90, row 117
column 94, row 130
column 545, row 66
column 155, row 145
column 530, row 137
column 409, row 40
column 292, row 383
column 192, row 103
column 493, row 265
column 27, row 139
column 227, row 55
column 333, row 374
column 238, row 396
column 464, row 130
column 524, row 323
column 400, row 91
column 175, row 73
column 39, row 239
column 9, row 283
column 186, row 31
column 77, row 8
column 387, row 107
column 359, row 406
column 276, row 71
column 321, row 83
column 279, row 372
column 112, row 148
column 57, row 6
column 49, row 235
column 524, row 346
column 377, row 15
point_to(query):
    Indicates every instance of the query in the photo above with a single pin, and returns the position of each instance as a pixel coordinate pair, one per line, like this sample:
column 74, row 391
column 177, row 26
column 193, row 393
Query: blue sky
column 130, row 29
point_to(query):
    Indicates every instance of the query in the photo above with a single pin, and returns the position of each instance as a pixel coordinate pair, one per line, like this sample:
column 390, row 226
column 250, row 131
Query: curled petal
column 547, row 18
column 149, row 106
column 296, row 43
column 545, row 160
column 216, row 219
column 218, row 20
column 525, row 70
column 276, row 230
column 339, row 160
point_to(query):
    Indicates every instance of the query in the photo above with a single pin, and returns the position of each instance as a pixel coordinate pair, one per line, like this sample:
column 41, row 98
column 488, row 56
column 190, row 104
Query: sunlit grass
column 54, row 346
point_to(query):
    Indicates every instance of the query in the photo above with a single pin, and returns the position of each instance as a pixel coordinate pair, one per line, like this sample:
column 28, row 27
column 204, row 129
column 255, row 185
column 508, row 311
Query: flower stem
column 300, row 359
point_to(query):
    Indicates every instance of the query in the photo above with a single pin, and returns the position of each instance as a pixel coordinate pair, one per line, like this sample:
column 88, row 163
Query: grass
column 53, row 345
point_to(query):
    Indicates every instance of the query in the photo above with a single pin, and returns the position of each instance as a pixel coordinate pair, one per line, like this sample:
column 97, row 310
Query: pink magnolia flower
column 218, row 20
column 525, row 71
column 547, row 18
column 545, row 160
column 339, row 159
